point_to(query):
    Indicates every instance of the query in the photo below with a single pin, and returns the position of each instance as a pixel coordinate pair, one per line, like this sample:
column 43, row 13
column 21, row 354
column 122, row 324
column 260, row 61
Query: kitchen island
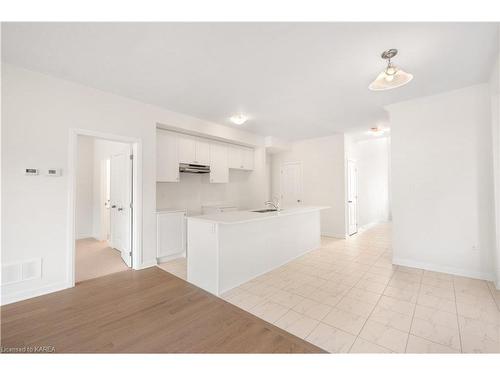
column 227, row 249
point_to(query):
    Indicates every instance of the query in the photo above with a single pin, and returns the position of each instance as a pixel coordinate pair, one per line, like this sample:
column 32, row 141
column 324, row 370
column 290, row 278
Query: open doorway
column 103, row 207
column 367, row 181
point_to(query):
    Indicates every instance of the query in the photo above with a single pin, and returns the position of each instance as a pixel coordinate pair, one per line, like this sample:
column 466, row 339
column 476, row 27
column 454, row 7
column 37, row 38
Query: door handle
column 120, row 208
column 113, row 206
column 349, row 201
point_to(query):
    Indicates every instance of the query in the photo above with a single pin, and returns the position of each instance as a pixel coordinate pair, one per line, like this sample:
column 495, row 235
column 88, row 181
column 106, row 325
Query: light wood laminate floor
column 147, row 311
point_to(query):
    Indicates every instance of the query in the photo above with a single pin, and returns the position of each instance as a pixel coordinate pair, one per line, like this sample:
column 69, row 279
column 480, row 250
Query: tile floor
column 177, row 267
column 348, row 297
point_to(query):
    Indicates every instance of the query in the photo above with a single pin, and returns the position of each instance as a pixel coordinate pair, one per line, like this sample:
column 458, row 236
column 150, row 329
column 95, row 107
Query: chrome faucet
column 275, row 203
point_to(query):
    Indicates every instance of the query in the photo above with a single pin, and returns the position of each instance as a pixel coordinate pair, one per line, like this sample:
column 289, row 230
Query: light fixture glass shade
column 386, row 81
column 238, row 119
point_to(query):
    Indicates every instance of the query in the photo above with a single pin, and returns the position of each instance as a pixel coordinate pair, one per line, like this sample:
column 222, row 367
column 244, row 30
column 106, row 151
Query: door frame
column 346, row 199
column 136, row 146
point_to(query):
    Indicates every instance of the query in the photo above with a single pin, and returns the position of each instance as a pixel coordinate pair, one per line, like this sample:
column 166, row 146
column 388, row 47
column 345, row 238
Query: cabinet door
column 247, row 156
column 219, row 171
column 167, row 157
column 171, row 234
column 202, row 153
column 234, row 157
column 187, row 150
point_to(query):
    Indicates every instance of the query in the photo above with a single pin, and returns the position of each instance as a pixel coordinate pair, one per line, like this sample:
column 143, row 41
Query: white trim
column 346, row 196
column 168, row 258
column 148, row 264
column 371, row 225
column 333, row 235
column 444, row 269
column 85, row 235
column 137, row 197
column 25, row 294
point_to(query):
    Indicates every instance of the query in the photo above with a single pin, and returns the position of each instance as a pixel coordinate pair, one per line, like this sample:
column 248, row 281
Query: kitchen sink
column 266, row 210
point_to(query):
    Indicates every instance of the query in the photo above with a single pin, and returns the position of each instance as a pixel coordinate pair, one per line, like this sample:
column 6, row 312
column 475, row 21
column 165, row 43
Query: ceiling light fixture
column 239, row 119
column 376, row 131
column 392, row 76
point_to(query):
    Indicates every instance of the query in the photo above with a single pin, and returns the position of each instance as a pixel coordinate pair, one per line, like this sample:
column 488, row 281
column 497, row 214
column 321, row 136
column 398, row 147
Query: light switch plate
column 31, row 171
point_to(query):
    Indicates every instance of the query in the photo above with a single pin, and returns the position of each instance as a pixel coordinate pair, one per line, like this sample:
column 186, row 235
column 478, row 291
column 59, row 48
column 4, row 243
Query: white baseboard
column 333, row 235
column 444, row 269
column 147, row 264
column 370, row 225
column 171, row 257
column 26, row 294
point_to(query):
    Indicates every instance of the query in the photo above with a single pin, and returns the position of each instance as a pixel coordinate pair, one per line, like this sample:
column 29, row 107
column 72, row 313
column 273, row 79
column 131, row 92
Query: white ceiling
column 294, row 80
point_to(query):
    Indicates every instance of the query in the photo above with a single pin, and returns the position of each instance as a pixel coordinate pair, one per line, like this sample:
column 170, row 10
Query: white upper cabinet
column 187, row 150
column 233, row 157
column 202, row 152
column 219, row 170
column 193, row 150
column 247, row 157
column 241, row 158
column 167, row 157
column 174, row 148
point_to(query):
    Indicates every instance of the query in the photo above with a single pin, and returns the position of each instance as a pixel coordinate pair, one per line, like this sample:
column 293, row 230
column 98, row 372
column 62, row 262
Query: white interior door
column 352, row 197
column 121, row 202
column 291, row 184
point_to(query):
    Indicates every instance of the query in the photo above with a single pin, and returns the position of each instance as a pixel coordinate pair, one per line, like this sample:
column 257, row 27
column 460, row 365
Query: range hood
column 193, row 168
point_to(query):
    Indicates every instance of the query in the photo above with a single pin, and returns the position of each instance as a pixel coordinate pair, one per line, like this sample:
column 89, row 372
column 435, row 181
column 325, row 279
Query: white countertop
column 169, row 210
column 235, row 217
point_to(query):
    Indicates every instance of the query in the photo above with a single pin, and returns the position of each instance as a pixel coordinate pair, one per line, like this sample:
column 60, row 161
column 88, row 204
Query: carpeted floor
column 95, row 258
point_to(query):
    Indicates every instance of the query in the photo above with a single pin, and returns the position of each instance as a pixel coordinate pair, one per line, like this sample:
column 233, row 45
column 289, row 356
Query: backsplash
column 193, row 190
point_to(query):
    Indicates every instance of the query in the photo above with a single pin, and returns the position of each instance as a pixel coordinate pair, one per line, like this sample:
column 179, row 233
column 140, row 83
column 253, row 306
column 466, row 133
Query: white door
column 291, row 184
column 121, row 201
column 352, row 197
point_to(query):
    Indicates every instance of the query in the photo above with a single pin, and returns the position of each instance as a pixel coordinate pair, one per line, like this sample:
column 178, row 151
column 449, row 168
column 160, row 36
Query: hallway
column 95, row 258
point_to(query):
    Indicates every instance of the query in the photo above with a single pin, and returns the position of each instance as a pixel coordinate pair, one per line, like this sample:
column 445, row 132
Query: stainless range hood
column 193, row 168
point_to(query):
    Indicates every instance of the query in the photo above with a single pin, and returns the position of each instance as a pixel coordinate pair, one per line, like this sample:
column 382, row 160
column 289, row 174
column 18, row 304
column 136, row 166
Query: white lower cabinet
column 171, row 234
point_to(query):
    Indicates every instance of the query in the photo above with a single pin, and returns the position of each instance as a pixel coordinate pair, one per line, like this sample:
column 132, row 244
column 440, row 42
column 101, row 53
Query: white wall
column 38, row 112
column 442, row 190
column 323, row 178
column 245, row 189
column 372, row 162
column 495, row 125
column 84, row 187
